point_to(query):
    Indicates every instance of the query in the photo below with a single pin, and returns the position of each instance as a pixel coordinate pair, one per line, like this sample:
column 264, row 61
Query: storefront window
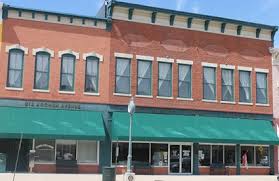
column 262, row 156
column 249, row 151
column 159, row 154
column 140, row 153
column 45, row 150
column 65, row 150
column 204, row 155
column 230, row 155
column 217, row 154
column 87, row 151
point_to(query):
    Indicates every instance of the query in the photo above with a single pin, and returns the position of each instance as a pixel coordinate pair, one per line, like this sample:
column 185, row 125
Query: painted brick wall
column 199, row 47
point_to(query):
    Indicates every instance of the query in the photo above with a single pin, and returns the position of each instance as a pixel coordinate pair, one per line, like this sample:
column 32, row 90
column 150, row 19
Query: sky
column 258, row 11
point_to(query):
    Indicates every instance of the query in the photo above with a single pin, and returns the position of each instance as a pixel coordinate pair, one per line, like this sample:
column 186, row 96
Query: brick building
column 201, row 85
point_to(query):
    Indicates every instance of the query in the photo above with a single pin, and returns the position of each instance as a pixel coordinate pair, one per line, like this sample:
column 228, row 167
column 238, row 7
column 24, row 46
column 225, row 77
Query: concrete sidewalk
column 91, row 177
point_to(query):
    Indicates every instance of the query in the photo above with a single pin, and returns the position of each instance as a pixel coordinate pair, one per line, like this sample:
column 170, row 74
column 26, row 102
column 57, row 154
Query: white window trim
column 123, row 55
column 91, row 94
column 123, row 95
column 209, row 101
column 162, row 97
column 14, row 89
column 41, row 90
column 144, row 96
column 206, row 64
column 166, row 60
column 228, row 102
column 184, row 99
column 93, row 54
column 43, row 49
column 143, row 57
column 224, row 66
column 69, row 51
column 246, row 103
column 264, row 105
column 16, row 46
column 186, row 62
column 245, row 68
column 67, row 92
column 259, row 70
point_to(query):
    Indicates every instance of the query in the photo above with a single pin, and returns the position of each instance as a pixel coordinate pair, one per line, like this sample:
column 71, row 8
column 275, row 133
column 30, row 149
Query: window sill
column 88, row 163
column 161, row 97
column 144, row 96
column 227, row 102
column 40, row 90
column 44, row 163
column 67, row 92
column 14, row 89
column 91, row 94
column 184, row 99
column 210, row 101
column 124, row 95
column 246, row 103
column 264, row 105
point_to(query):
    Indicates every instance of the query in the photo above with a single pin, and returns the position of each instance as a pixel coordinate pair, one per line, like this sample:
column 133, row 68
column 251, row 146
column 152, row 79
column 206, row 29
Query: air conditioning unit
column 129, row 176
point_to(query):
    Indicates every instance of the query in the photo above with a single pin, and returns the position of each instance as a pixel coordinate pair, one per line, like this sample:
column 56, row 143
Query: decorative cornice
column 17, row 46
column 43, row 49
column 275, row 55
column 93, row 54
column 123, row 55
column 69, row 51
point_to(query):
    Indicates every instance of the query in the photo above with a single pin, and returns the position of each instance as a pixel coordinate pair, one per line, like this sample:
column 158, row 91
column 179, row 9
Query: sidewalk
column 90, row 177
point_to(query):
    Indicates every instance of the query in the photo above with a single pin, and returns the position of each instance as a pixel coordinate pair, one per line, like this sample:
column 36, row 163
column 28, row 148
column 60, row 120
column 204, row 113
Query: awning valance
column 50, row 124
column 201, row 129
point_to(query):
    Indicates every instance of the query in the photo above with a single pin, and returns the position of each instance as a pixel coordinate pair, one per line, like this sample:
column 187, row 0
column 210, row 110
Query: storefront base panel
column 44, row 168
column 145, row 171
column 51, row 168
column 232, row 171
column 255, row 171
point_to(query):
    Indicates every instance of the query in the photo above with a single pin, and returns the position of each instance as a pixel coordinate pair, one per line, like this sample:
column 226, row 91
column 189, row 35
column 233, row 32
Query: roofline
column 53, row 13
column 193, row 15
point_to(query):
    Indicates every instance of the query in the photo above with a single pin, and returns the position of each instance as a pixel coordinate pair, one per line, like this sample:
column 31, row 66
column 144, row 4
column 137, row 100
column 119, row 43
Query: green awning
column 202, row 129
column 50, row 124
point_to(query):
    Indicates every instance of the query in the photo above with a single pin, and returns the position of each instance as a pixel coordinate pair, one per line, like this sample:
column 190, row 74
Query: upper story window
column 67, row 78
column 184, row 81
column 245, row 86
column 227, row 85
column 262, row 88
column 123, row 76
column 144, row 86
column 165, row 79
column 209, row 83
column 42, row 67
column 15, row 68
column 92, row 75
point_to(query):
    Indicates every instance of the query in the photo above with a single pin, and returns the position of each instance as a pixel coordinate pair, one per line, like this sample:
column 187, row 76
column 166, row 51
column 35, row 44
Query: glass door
column 180, row 159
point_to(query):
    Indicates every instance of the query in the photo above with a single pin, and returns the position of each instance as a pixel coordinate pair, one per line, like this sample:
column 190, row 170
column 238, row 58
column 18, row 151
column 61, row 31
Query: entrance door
column 180, row 159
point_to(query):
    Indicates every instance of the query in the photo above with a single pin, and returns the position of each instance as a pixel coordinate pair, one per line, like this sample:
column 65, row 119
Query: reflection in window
column 87, row 151
column 230, row 155
column 45, row 150
column 159, row 154
column 249, row 151
column 204, row 155
column 262, row 156
column 65, row 150
column 15, row 68
column 217, row 154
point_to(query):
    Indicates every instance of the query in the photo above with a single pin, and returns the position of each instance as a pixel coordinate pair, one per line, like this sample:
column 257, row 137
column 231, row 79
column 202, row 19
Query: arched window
column 92, row 74
column 67, row 77
column 15, row 68
column 42, row 67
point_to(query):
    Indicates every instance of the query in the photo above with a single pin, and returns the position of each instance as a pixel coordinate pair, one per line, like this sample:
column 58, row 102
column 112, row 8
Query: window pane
column 68, row 64
column 247, row 151
column 227, row 85
column 45, row 150
column 67, row 73
column 262, row 88
column 119, row 153
column 165, row 79
column 41, row 81
column 65, row 150
column 67, row 82
column 92, row 75
column 42, row 71
column 185, row 80
column 204, row 155
column 209, row 83
column 217, row 154
column 122, row 76
column 15, row 69
column 87, row 151
column 159, row 154
column 230, row 155
column 244, row 86
column 262, row 156
column 144, row 77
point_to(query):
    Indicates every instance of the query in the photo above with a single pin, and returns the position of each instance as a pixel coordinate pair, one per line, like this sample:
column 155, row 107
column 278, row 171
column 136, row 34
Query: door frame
column 180, row 158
